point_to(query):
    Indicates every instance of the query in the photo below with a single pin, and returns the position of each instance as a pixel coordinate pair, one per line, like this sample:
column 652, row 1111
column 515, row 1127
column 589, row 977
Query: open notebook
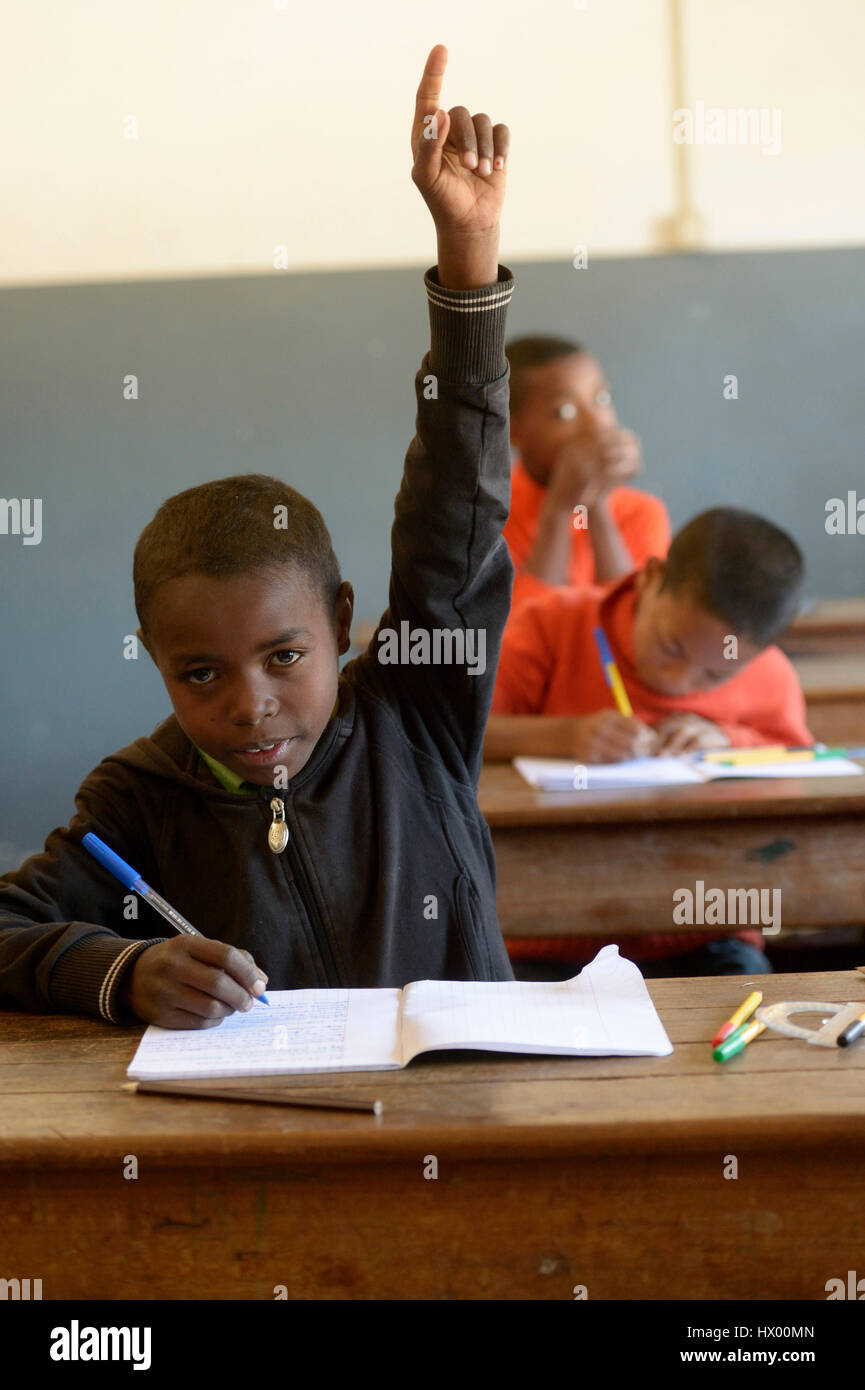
column 560, row 774
column 604, row 1011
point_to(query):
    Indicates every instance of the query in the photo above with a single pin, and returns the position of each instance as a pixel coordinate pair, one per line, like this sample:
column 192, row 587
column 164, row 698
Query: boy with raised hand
column 319, row 828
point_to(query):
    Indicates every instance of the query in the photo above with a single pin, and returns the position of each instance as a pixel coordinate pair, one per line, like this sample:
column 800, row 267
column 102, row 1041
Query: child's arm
column 71, row 939
column 613, row 557
column 603, row 737
column 516, row 727
column 437, row 645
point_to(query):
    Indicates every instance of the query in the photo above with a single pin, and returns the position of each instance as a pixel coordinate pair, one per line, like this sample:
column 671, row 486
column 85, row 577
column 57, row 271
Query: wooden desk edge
column 519, row 806
column 375, row 1143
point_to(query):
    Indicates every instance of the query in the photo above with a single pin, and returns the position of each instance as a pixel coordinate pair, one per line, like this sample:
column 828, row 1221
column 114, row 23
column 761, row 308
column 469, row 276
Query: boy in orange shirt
column 691, row 638
column 571, row 521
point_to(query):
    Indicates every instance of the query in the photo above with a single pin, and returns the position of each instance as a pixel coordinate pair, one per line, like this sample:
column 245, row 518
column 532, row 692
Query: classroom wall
column 311, row 377
column 154, row 138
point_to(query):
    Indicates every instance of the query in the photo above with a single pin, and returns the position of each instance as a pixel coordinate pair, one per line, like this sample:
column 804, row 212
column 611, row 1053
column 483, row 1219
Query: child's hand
column 688, row 733
column 588, row 466
column 458, row 159
column 610, row 737
column 191, row 982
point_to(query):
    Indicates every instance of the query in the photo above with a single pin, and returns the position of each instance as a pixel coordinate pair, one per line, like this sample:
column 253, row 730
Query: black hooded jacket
column 389, row 873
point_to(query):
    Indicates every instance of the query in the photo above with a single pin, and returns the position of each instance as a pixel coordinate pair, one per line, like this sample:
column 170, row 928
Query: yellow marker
column 744, row 1011
column 747, row 755
column 735, row 759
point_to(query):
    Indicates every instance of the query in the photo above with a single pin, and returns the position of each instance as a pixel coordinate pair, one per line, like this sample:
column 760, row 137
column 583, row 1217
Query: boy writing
column 320, row 828
column 572, row 521
column 691, row 639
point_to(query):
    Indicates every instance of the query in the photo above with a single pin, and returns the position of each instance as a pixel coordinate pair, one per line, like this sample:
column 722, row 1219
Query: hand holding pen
column 190, row 981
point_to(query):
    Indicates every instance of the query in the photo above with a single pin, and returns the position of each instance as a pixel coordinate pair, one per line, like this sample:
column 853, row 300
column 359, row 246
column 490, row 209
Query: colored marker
column 732, row 757
column 736, row 1020
column 737, row 1041
column 611, row 672
column 852, row 1032
column 131, row 878
column 789, row 756
column 767, row 754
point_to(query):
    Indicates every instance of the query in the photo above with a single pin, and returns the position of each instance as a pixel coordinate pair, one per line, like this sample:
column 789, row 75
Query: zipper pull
column 277, row 835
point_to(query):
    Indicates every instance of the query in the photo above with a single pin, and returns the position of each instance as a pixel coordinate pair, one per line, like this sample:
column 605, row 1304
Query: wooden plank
column 655, row 1229
column 838, row 721
column 403, row 1091
column 585, row 880
column 828, row 677
column 620, row 1115
column 506, row 799
column 830, row 626
column 834, row 688
column 607, row 1173
column 468, row 1107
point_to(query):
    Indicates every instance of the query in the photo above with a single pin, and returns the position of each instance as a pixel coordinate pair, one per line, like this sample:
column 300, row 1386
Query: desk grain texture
column 552, row 1172
column 590, row 862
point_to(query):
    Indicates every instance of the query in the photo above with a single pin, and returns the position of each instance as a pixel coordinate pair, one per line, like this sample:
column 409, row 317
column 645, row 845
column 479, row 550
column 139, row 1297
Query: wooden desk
column 589, row 862
column 834, row 689
column 552, row 1172
column 832, row 625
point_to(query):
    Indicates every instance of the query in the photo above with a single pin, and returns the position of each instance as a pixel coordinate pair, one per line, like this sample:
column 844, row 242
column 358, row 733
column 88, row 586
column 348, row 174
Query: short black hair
column 740, row 568
column 233, row 526
column 525, row 353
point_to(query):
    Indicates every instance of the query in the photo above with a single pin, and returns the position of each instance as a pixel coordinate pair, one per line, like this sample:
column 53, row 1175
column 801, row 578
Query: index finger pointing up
column 429, row 91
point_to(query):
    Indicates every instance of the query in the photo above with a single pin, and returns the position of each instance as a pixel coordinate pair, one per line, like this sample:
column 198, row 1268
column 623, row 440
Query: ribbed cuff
column 88, row 976
column 467, row 328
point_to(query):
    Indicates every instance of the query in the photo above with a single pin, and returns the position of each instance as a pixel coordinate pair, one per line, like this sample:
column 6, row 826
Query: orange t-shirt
column 641, row 518
column 550, row 665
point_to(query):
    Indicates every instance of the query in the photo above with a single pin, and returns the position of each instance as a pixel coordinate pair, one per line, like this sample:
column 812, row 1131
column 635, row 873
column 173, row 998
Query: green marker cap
column 731, row 1045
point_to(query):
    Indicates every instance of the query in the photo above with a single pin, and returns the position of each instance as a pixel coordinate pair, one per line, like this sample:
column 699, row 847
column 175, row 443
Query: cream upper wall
column 261, row 126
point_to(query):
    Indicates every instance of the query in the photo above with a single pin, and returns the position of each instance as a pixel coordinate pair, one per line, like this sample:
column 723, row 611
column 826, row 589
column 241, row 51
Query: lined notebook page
column 303, row 1030
column 559, row 774
column 605, row 1011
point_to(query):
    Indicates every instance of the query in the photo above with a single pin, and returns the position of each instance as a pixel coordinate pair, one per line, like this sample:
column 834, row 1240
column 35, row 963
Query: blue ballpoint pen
column 131, row 878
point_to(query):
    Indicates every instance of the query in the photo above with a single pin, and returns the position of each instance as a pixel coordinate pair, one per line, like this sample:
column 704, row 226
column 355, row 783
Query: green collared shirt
column 230, row 780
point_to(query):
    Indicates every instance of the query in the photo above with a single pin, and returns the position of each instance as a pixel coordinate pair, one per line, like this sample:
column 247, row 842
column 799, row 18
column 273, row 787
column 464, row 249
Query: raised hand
column 459, row 164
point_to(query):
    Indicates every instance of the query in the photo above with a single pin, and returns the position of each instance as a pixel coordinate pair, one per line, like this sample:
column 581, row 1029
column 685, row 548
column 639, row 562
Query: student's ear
column 343, row 615
column 651, row 576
